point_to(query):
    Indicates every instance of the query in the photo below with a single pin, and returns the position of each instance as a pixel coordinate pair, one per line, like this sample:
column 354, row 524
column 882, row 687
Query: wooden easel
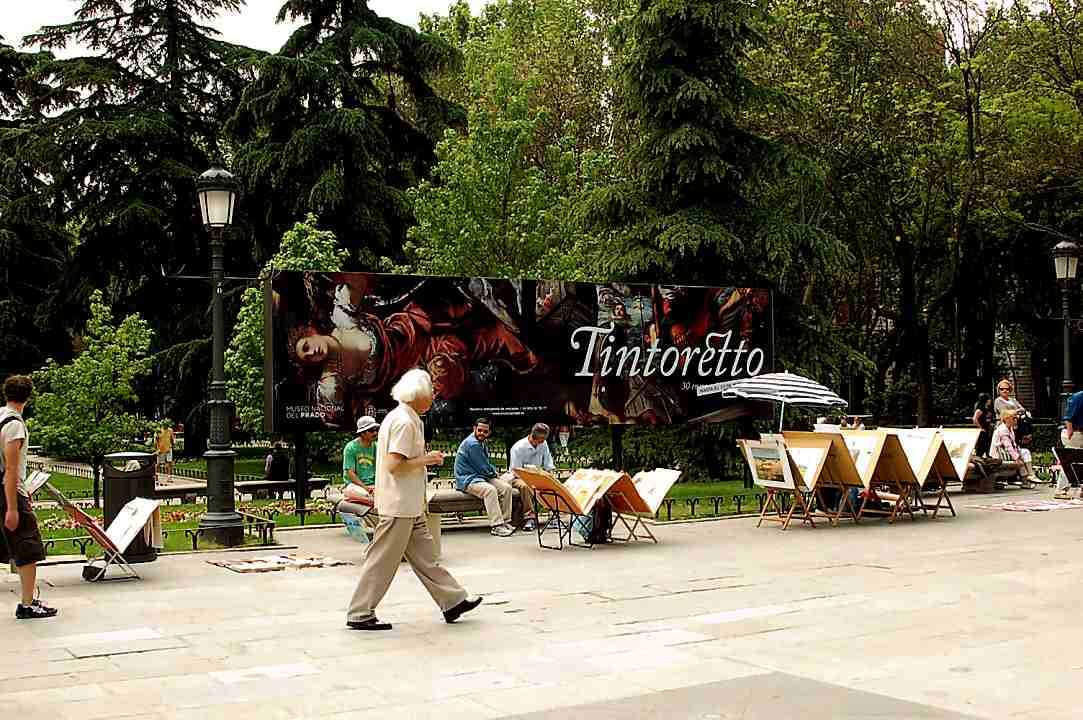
column 934, row 476
column 780, row 478
column 928, row 457
column 619, row 502
column 782, row 517
column 835, row 471
column 625, row 502
column 891, row 479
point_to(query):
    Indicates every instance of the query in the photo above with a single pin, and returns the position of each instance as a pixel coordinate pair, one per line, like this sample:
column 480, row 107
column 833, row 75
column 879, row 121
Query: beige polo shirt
column 401, row 494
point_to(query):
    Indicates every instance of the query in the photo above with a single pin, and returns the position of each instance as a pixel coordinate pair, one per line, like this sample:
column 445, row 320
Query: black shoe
column 453, row 614
column 33, row 611
column 371, row 624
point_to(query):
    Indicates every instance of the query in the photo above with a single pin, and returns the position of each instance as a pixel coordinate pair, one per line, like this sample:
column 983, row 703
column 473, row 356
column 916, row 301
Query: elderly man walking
column 401, row 460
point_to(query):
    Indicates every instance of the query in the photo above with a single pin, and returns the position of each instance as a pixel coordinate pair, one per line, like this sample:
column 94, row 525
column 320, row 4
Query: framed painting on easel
column 772, row 469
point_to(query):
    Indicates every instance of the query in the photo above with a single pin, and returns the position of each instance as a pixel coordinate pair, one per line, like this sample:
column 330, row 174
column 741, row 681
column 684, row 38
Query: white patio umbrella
column 786, row 389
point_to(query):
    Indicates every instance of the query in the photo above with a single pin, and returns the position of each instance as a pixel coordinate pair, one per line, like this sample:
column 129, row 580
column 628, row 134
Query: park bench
column 446, row 500
column 449, row 501
column 986, row 475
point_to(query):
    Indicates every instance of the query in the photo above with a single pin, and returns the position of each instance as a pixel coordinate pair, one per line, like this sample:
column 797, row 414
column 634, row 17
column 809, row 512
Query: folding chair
column 1071, row 464
column 113, row 541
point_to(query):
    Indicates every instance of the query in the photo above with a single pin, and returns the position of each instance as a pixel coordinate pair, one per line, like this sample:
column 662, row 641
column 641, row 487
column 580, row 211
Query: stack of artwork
column 851, row 474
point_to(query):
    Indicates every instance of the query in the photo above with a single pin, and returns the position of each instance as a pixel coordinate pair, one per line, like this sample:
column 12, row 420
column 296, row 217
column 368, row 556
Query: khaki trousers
column 394, row 538
column 496, row 494
column 526, row 493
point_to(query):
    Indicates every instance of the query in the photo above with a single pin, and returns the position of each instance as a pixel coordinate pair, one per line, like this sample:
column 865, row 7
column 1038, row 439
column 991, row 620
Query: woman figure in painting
column 362, row 353
column 983, row 420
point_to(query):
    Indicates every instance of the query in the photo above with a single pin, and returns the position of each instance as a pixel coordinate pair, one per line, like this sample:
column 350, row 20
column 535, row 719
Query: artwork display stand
column 774, row 470
column 890, row 480
column 113, row 540
column 822, row 461
column 627, row 502
column 928, row 457
column 637, row 530
column 959, row 445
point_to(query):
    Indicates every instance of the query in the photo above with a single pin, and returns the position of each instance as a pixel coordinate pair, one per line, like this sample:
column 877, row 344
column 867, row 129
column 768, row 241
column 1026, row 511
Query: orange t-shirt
column 163, row 441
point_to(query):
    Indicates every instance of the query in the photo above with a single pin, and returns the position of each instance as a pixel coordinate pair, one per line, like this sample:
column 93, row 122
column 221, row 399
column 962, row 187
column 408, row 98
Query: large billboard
column 515, row 350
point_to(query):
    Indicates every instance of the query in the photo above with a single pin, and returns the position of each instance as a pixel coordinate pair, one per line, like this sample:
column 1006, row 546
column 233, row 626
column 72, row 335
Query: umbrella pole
column 781, row 413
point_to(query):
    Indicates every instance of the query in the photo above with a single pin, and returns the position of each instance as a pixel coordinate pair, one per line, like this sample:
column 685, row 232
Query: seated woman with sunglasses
column 1005, row 400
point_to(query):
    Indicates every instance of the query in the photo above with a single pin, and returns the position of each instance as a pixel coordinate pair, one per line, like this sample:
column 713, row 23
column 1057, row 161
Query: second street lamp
column 221, row 523
column 1066, row 264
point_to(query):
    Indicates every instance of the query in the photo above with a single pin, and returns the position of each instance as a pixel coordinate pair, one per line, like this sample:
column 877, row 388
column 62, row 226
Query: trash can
column 120, row 485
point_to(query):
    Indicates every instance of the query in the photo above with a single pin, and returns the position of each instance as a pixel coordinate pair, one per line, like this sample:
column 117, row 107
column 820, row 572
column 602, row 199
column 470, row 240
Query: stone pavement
column 974, row 616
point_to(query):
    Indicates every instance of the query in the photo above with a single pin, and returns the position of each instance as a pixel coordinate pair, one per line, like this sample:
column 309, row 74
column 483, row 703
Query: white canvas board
column 960, row 444
column 861, row 449
column 35, row 480
column 654, row 485
column 915, row 444
column 130, row 521
column 808, row 461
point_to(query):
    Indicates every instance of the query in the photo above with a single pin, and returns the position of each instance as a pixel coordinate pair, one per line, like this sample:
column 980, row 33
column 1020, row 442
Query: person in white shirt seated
column 531, row 450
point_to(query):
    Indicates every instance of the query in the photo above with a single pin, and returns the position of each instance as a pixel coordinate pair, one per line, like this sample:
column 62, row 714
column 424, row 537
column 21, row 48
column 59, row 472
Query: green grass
column 68, row 484
column 319, row 515
column 54, row 524
column 254, row 466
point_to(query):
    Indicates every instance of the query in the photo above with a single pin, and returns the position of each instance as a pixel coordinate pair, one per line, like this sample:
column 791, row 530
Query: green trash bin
column 120, row 485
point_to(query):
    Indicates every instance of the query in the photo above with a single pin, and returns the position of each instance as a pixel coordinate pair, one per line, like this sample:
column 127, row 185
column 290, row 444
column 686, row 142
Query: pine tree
column 341, row 122
column 130, row 125
column 683, row 89
column 136, row 121
column 33, row 242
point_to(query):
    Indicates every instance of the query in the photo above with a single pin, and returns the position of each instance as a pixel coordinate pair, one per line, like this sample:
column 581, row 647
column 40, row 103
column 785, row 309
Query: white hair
column 414, row 384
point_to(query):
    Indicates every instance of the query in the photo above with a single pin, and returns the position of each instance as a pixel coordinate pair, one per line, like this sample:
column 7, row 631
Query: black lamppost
column 221, row 523
column 1066, row 263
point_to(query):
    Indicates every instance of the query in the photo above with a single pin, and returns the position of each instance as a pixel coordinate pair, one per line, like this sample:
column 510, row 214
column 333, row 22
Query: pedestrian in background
column 983, row 420
column 22, row 545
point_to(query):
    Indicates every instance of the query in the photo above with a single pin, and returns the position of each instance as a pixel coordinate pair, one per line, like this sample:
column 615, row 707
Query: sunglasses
column 1004, row 387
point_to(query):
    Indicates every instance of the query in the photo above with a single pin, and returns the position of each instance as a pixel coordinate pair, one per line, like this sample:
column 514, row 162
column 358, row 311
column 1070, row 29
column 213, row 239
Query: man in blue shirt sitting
column 475, row 475
column 531, row 450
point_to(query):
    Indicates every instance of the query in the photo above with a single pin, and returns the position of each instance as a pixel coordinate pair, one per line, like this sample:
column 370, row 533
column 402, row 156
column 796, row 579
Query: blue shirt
column 523, row 454
column 472, row 463
column 1073, row 413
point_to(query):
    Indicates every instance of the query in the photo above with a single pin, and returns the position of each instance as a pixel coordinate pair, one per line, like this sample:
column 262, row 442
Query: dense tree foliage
column 303, row 247
column 341, row 122
column 86, row 408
